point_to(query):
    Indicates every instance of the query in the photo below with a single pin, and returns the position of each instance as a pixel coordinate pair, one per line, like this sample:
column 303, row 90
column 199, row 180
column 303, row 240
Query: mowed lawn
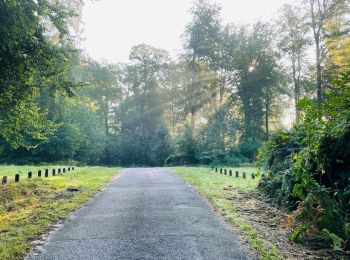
column 216, row 188
column 11, row 170
column 208, row 181
column 30, row 208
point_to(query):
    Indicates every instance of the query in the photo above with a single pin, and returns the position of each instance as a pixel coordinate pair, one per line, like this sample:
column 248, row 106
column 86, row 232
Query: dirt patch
column 63, row 195
column 274, row 226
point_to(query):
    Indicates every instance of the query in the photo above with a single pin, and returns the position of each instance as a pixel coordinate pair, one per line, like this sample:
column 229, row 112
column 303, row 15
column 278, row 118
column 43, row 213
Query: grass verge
column 31, row 207
column 211, row 185
column 11, row 170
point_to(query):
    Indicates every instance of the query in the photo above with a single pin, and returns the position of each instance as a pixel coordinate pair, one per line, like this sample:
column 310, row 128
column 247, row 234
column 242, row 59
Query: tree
column 143, row 131
column 254, row 76
column 337, row 44
column 320, row 13
column 31, row 62
column 294, row 41
column 104, row 90
column 202, row 45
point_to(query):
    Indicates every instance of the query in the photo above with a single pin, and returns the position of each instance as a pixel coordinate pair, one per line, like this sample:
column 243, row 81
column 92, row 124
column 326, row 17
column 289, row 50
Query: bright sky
column 112, row 27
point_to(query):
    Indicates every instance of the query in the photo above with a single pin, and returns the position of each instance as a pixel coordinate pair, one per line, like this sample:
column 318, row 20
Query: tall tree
column 294, row 41
column 202, row 45
column 30, row 61
column 104, row 89
column 143, row 130
column 320, row 13
column 254, row 75
column 337, row 43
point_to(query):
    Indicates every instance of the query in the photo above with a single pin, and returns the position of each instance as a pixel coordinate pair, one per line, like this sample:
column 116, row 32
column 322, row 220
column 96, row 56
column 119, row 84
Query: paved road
column 144, row 214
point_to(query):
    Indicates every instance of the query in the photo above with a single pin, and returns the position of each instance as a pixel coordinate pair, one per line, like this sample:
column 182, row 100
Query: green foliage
column 308, row 169
column 143, row 133
column 185, row 149
column 30, row 62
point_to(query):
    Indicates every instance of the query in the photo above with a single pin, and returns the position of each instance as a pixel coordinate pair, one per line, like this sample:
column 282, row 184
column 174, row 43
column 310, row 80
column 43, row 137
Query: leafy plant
column 307, row 169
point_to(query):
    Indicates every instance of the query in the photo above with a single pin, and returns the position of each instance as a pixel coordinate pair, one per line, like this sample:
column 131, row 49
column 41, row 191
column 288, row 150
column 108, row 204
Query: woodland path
column 145, row 213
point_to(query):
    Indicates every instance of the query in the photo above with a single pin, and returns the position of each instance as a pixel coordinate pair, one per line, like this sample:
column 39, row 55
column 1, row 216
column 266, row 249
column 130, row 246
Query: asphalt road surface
column 146, row 213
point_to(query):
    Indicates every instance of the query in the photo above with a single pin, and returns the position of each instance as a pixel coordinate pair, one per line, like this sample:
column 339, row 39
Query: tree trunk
column 316, row 31
column 105, row 112
column 267, row 105
column 296, row 80
column 318, row 70
column 193, row 97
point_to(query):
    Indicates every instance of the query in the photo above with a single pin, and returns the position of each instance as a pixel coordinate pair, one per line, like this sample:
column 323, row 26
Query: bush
column 307, row 170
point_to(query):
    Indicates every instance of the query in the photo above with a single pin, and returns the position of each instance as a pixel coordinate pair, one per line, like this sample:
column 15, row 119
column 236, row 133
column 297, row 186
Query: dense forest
column 223, row 100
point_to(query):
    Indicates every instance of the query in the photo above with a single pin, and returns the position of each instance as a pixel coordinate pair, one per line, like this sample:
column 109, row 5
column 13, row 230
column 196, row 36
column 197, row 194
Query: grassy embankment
column 31, row 207
column 212, row 186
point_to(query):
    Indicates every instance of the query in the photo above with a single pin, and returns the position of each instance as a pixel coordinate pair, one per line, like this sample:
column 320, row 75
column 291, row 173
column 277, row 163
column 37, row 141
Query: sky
column 112, row 27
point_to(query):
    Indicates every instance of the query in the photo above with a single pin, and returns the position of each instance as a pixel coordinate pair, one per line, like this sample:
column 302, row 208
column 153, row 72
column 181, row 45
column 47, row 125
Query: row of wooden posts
column 46, row 174
column 225, row 171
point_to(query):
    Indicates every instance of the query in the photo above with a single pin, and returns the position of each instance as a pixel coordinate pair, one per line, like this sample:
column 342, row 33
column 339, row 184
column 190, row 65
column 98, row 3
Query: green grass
column 30, row 208
column 209, row 180
column 11, row 170
column 210, row 185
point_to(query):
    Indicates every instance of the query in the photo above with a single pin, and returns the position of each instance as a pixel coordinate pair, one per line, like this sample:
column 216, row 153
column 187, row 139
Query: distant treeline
column 215, row 104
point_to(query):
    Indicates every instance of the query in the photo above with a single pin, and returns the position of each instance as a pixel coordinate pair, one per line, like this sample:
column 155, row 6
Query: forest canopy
column 228, row 92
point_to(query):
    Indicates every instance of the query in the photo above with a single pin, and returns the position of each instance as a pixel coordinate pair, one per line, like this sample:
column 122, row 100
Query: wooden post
column 46, row 173
column 17, row 177
column 221, row 170
column 4, row 180
column 39, row 173
column 216, row 169
column 225, row 171
column 59, row 170
column 230, row 172
column 72, row 168
column 69, row 169
column 212, row 168
column 53, row 172
column 244, row 175
column 237, row 174
column 30, row 175
column 253, row 175
column 64, row 170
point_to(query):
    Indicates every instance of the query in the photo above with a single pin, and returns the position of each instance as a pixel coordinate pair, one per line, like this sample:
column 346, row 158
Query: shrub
column 308, row 169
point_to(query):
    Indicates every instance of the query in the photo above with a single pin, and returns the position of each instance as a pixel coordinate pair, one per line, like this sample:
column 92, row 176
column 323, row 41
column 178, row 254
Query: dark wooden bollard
column 72, row 168
column 216, row 169
column 253, row 175
column 237, row 174
column 230, row 172
column 46, row 173
column 221, row 170
column 59, row 170
column 64, row 170
column 69, row 169
column 30, row 175
column 17, row 177
column 39, row 173
column 53, row 172
column 4, row 180
column 244, row 175
column 225, row 171
column 212, row 168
